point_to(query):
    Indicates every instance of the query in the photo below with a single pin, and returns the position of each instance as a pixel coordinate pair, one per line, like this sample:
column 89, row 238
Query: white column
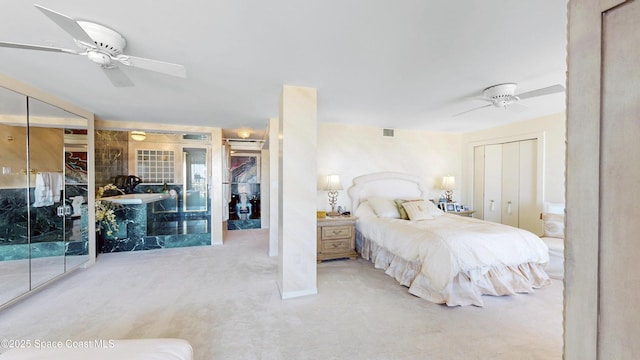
column 216, row 188
column 297, row 195
column 274, row 173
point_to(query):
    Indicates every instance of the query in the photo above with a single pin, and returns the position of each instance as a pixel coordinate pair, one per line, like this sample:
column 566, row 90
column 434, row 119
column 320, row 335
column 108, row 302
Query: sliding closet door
column 478, row 181
column 505, row 184
column 528, row 211
column 46, row 187
column 492, row 207
column 14, row 194
column 510, row 183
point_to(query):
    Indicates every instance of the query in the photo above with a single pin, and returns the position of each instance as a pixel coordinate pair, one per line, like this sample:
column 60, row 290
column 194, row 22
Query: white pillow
column 417, row 210
column 365, row 210
column 553, row 225
column 553, row 208
column 384, row 207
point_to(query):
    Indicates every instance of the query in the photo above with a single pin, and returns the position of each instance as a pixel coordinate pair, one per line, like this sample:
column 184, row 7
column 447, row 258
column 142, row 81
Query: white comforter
column 450, row 244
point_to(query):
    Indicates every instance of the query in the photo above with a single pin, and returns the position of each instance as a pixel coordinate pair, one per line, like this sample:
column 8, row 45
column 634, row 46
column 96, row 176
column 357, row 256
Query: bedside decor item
column 449, row 184
column 332, row 185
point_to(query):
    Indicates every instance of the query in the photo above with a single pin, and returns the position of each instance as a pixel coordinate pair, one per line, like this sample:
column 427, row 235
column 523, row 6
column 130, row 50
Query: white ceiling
column 397, row 64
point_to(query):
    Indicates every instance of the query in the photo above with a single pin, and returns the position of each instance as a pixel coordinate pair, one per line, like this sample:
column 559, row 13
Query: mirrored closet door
column 14, row 195
column 43, row 193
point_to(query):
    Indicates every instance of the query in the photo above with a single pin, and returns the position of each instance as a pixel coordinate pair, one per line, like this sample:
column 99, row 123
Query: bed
column 444, row 258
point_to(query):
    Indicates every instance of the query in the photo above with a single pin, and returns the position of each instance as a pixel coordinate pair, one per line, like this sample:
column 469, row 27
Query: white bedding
column 449, row 245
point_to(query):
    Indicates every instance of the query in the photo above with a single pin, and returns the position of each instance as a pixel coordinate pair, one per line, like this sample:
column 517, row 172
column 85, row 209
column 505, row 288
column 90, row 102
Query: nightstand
column 468, row 213
column 337, row 238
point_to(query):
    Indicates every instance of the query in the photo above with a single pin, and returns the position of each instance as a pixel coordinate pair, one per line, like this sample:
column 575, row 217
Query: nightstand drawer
column 342, row 245
column 336, row 232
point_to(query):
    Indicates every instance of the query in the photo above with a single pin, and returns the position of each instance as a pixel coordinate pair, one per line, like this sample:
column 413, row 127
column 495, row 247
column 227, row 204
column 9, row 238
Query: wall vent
column 387, row 132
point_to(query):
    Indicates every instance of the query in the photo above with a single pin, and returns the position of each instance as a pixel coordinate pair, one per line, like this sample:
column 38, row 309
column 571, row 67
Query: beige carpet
column 224, row 300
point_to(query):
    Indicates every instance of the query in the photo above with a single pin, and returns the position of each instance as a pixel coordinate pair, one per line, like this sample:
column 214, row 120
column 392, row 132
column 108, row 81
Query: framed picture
column 245, row 168
column 451, row 207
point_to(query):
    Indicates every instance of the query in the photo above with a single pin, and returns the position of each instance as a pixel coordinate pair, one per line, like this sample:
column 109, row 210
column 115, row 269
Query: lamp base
column 333, row 213
column 449, row 195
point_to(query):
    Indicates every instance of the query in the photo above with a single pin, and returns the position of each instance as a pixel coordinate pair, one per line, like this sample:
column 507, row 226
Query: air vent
column 387, row 132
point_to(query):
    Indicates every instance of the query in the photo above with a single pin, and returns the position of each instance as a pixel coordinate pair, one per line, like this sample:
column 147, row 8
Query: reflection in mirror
column 55, row 226
column 46, row 187
column 181, row 215
column 195, row 182
column 75, row 192
column 14, row 251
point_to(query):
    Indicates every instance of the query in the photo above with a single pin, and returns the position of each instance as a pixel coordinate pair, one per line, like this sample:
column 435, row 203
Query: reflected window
column 156, row 166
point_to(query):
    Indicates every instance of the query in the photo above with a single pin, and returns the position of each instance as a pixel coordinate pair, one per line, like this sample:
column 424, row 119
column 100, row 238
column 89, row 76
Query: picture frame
column 451, row 207
column 245, row 168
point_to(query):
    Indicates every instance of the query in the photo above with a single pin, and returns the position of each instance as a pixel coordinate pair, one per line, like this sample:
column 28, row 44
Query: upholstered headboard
column 392, row 185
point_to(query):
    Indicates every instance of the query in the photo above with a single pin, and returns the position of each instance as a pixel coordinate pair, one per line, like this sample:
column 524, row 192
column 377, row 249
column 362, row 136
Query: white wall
column 553, row 130
column 350, row 151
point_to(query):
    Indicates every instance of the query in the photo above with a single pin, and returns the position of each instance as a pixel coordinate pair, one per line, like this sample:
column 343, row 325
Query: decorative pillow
column 431, row 207
column 417, row 210
column 401, row 210
column 384, row 207
column 553, row 225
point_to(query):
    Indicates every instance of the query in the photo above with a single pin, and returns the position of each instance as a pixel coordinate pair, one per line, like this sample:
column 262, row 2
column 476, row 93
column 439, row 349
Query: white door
column 510, row 182
column 619, row 292
column 602, row 286
column 528, row 212
column 493, row 183
column 478, row 181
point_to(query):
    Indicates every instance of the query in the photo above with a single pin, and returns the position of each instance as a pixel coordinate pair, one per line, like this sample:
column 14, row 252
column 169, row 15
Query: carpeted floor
column 224, row 300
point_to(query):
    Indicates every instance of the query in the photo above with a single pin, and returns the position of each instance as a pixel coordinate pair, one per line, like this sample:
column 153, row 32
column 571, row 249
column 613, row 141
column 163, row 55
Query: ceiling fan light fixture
column 138, row 135
column 99, row 58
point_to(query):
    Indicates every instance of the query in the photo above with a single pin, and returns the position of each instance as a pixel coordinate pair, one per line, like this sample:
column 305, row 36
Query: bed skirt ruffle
column 465, row 288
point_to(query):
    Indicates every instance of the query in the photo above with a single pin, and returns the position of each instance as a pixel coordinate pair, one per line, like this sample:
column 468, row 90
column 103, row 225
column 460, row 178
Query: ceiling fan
column 103, row 46
column 503, row 96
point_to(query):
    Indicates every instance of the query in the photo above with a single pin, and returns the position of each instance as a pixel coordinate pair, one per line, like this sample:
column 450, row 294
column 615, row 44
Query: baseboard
column 294, row 294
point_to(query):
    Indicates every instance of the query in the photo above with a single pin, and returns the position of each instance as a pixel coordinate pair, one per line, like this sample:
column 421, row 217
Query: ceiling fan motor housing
column 106, row 40
column 502, row 94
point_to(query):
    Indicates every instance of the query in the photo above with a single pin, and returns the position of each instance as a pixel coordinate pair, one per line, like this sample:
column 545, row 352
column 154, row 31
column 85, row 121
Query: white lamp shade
column 449, row 182
column 332, row 183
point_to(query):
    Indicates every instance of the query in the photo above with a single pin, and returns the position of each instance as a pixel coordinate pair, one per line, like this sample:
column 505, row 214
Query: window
column 156, row 166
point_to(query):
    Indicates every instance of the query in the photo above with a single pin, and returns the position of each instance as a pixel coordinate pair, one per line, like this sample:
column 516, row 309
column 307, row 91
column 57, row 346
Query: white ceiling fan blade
column 544, row 91
column 474, row 109
column 36, row 47
column 118, row 77
column 516, row 107
column 67, row 24
column 153, row 65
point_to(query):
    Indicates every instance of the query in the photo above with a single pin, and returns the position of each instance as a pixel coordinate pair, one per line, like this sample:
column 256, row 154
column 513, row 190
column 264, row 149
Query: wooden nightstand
column 468, row 213
column 337, row 238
